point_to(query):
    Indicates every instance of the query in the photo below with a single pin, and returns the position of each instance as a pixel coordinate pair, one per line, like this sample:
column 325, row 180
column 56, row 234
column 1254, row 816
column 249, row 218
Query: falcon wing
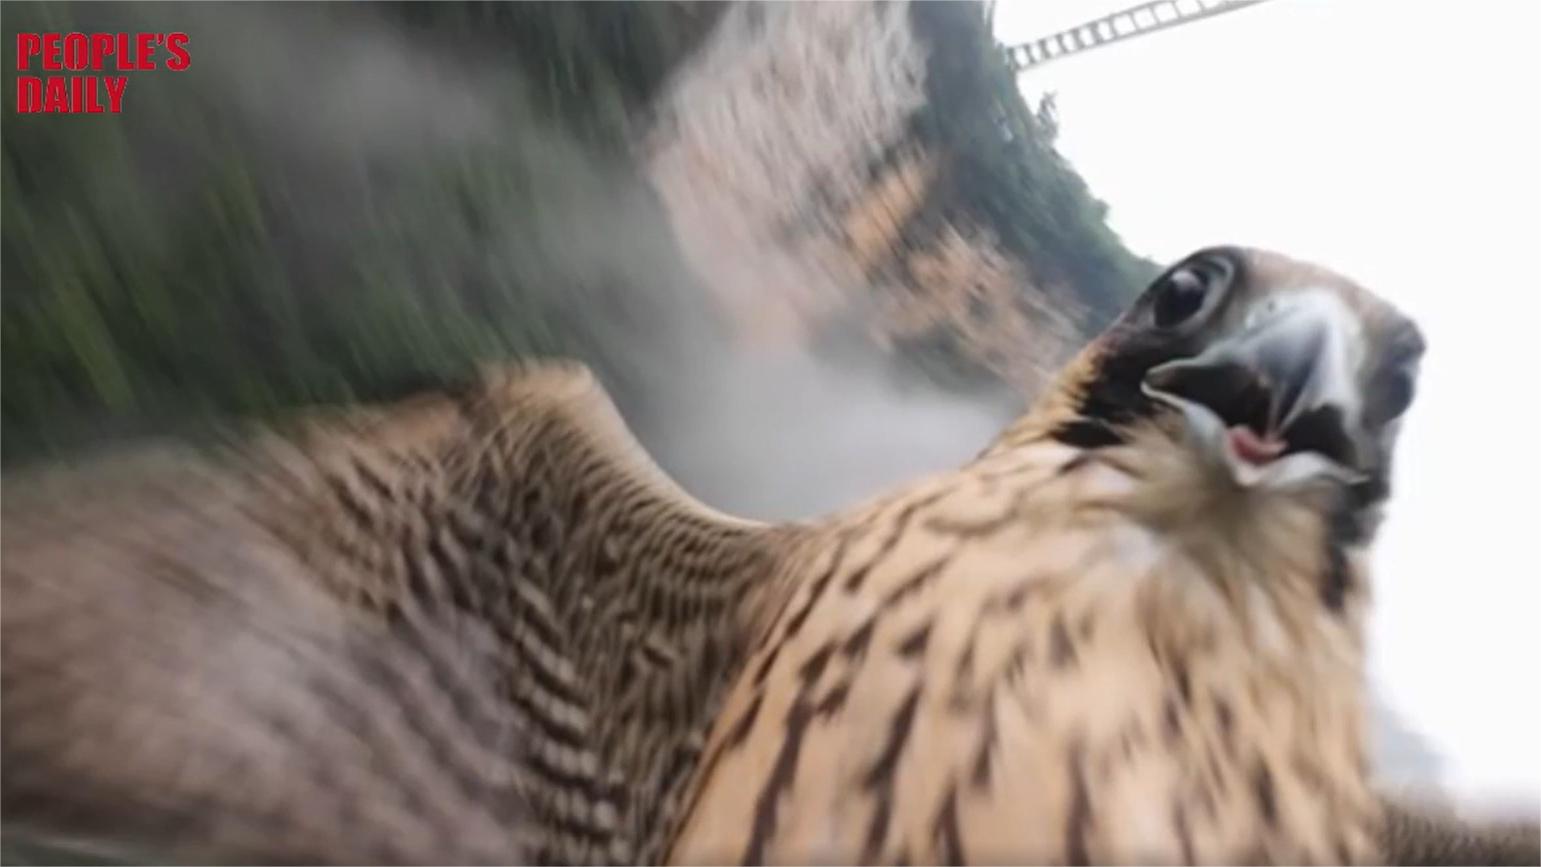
column 1420, row 830
column 469, row 628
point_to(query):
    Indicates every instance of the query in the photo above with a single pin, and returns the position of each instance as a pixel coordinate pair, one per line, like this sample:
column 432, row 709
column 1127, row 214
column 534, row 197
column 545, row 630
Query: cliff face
column 765, row 140
column 830, row 163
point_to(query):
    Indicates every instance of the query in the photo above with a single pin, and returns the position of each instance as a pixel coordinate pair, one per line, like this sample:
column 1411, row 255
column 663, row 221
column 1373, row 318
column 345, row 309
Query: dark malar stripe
column 1087, row 433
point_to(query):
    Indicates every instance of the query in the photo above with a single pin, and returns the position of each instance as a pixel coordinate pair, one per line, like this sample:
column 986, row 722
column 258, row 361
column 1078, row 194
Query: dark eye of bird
column 1399, row 393
column 1180, row 298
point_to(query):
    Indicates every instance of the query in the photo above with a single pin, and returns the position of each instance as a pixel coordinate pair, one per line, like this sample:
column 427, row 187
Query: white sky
column 1399, row 143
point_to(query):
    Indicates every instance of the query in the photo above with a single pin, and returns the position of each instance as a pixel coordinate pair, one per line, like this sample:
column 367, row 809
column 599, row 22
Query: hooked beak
column 1276, row 401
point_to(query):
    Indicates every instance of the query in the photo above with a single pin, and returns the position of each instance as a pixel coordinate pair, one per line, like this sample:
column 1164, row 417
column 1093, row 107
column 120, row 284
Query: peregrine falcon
column 481, row 626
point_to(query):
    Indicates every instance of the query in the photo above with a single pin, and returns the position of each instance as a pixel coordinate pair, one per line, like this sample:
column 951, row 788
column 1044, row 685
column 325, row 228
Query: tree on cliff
column 1000, row 176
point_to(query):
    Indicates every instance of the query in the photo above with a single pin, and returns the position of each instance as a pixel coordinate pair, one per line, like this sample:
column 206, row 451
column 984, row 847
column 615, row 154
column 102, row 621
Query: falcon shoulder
column 478, row 627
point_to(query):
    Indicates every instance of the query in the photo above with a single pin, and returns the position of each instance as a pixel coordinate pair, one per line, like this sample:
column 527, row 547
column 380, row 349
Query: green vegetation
column 1004, row 171
column 340, row 202
column 298, row 220
column 1000, row 171
column 593, row 63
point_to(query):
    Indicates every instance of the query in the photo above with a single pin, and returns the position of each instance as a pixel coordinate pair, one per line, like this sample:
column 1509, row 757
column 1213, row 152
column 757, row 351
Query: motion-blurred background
column 812, row 249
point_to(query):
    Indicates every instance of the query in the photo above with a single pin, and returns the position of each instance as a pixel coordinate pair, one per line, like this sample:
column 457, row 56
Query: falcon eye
column 1180, row 297
column 1399, row 393
column 1398, row 383
column 1191, row 288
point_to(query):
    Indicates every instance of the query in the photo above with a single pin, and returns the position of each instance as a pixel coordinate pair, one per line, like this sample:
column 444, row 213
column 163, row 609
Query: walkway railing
column 1134, row 21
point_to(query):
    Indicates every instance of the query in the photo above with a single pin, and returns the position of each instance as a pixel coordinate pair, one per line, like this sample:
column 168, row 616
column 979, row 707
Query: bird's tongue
column 1252, row 448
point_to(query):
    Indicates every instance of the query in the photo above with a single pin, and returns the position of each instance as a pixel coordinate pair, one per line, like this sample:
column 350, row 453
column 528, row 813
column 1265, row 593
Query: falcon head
column 1280, row 373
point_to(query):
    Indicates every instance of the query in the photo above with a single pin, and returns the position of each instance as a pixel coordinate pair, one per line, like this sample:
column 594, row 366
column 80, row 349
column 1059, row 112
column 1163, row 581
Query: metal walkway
column 1126, row 24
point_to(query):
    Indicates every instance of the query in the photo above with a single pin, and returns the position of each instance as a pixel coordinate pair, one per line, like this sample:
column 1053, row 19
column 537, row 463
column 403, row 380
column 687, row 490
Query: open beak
column 1277, row 400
